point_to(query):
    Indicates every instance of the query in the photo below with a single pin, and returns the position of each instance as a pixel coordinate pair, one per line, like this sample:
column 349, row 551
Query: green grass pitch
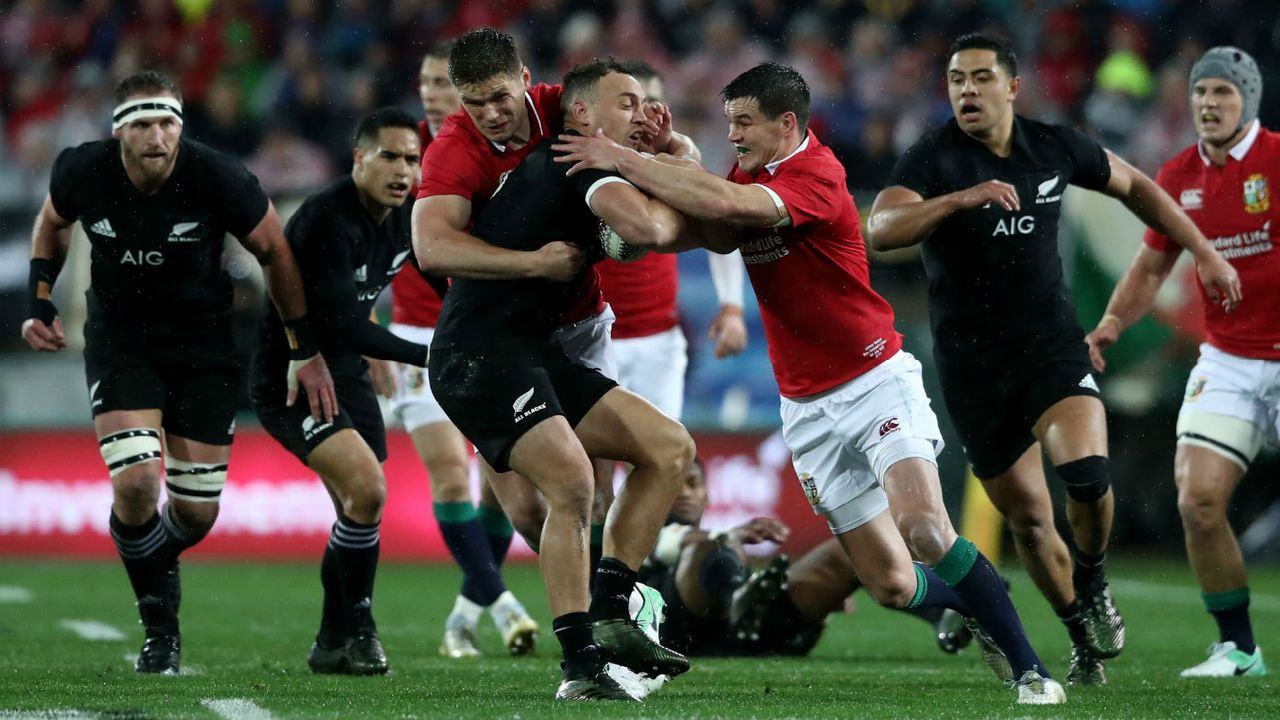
column 247, row 628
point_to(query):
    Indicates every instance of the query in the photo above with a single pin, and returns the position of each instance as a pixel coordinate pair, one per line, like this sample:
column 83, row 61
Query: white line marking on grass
column 238, row 709
column 185, row 670
column 1185, row 594
column 14, row 594
column 92, row 630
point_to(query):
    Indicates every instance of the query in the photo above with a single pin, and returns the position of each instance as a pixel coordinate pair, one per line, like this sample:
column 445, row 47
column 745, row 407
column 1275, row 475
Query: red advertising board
column 55, row 498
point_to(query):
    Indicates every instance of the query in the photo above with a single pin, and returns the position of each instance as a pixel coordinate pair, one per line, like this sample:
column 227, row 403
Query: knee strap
column 126, row 448
column 193, row 481
column 1087, row 479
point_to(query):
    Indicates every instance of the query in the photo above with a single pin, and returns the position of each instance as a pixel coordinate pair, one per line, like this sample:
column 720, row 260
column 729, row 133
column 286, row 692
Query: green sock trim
column 454, row 512
column 1226, row 600
column 956, row 564
column 922, row 587
column 495, row 522
column 597, row 534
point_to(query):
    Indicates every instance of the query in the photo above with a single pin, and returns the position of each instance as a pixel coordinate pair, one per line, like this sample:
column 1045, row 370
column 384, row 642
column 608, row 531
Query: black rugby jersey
column 995, row 276
column 157, row 259
column 535, row 204
column 346, row 259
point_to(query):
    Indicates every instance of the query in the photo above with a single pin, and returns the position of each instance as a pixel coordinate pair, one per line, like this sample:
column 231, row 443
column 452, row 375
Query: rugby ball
column 616, row 248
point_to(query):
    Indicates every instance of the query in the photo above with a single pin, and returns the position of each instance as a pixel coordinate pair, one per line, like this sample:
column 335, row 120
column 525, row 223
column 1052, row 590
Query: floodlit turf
column 247, row 629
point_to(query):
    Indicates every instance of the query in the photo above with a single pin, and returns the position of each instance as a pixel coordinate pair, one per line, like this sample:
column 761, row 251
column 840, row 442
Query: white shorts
column 413, row 405
column 844, row 440
column 587, row 342
column 653, row 367
column 1231, row 406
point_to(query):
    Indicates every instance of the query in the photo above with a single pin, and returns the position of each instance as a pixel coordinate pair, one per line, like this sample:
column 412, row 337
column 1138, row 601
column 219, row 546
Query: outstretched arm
column 1133, row 298
column 1154, row 207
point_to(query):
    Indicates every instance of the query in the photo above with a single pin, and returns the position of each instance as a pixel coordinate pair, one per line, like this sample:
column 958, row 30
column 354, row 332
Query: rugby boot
column 595, row 686
column 1226, row 660
column 750, row 605
column 162, row 648
column 992, row 655
column 1102, row 621
column 952, row 635
column 459, row 639
column 365, row 655
column 624, row 642
column 1035, row 689
column 1085, row 667
column 519, row 630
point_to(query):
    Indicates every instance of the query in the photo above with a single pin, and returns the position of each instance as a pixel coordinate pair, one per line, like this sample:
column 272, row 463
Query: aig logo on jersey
column 1016, row 225
column 1257, row 197
column 142, row 257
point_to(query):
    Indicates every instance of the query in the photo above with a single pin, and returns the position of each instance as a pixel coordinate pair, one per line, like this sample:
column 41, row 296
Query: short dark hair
column 777, row 87
column 441, row 50
column 641, row 70
column 1005, row 57
column 481, row 54
column 383, row 117
column 581, row 80
column 149, row 81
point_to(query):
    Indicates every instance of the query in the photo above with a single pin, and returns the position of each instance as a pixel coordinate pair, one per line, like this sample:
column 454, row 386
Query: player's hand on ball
column 383, row 377
column 1102, row 337
column 728, row 331
column 1221, row 282
column 595, row 152
column 44, row 337
column 313, row 374
column 558, row 261
column 616, row 248
column 992, row 191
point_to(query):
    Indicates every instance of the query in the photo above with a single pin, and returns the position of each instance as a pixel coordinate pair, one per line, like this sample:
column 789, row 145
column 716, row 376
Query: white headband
column 139, row 108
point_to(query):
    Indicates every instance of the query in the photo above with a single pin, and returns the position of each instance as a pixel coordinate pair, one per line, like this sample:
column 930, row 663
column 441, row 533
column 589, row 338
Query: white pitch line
column 1184, row 594
column 92, row 630
column 14, row 594
column 238, row 709
column 184, row 671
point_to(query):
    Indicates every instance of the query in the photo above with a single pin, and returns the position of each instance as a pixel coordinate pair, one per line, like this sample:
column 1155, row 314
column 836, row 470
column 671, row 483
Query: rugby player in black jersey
column 983, row 194
column 350, row 239
column 159, row 353
column 527, row 407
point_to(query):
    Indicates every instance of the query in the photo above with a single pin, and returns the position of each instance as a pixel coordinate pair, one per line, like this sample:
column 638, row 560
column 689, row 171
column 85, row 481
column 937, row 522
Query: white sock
column 505, row 606
column 468, row 610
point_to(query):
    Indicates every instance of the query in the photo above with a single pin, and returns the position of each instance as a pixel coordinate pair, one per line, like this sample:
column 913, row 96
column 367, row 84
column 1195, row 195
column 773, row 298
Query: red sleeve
column 811, row 190
column 1153, row 239
column 447, row 169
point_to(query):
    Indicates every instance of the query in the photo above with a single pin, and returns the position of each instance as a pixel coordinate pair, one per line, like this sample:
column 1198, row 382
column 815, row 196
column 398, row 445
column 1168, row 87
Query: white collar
column 773, row 166
column 1241, row 148
column 533, row 113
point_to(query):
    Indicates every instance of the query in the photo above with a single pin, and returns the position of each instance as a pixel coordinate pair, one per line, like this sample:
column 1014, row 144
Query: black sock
column 1072, row 617
column 611, row 591
column 1231, row 611
column 978, row 583
column 595, row 550
column 334, row 627
column 355, row 551
column 722, row 572
column 581, row 657
column 1088, row 573
column 142, row 550
column 786, row 630
column 177, row 538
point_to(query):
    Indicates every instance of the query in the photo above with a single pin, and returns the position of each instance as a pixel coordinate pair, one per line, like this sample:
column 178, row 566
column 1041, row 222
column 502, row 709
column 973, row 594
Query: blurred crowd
column 281, row 82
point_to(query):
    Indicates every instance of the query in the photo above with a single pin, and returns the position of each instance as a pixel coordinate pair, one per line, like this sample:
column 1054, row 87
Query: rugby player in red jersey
column 854, row 412
column 1223, row 183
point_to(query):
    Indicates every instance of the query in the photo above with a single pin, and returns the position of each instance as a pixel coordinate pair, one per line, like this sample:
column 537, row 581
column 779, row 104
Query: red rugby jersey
column 462, row 161
column 1233, row 206
column 641, row 293
column 824, row 324
column 413, row 301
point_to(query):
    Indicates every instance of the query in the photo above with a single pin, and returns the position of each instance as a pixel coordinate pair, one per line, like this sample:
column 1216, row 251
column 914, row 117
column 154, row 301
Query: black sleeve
column 915, row 170
column 583, row 181
column 240, row 198
column 324, row 258
column 1091, row 171
column 66, row 170
column 437, row 283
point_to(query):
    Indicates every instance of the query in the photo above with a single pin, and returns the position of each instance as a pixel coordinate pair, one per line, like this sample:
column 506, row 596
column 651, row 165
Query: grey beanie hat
column 1236, row 67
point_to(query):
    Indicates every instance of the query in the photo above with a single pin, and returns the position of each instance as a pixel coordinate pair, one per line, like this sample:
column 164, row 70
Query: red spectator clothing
column 824, row 324
column 642, row 294
column 1233, row 206
column 462, row 161
column 413, row 301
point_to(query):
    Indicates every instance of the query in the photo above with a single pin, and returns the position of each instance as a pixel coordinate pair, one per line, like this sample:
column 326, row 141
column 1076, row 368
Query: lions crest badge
column 1257, row 197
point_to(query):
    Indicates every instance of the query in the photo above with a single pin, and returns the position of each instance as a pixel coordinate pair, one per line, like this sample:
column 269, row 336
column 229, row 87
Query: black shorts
column 194, row 382
column 995, row 404
column 299, row 433
column 684, row 633
column 496, row 390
